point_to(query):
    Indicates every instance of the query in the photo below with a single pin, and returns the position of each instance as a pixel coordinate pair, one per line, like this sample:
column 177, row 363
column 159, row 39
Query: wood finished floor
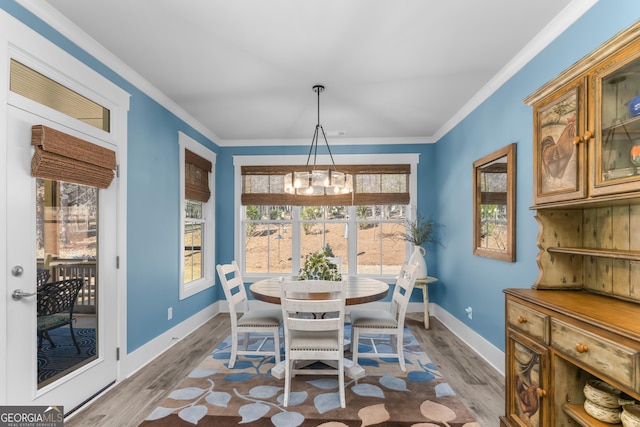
column 476, row 382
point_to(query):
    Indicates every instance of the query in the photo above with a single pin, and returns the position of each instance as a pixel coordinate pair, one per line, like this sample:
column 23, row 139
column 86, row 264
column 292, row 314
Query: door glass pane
column 620, row 118
column 67, row 260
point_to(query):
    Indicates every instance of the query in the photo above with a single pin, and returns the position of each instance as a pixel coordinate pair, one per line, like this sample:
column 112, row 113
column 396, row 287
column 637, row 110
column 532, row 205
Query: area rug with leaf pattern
column 214, row 395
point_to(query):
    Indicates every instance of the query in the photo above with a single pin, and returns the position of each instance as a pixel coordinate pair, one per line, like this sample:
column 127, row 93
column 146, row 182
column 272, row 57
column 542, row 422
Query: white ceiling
column 394, row 70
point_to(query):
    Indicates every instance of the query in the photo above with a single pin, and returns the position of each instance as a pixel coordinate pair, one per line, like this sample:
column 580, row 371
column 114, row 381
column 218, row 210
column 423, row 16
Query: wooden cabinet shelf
column 579, row 415
column 598, row 252
column 630, row 127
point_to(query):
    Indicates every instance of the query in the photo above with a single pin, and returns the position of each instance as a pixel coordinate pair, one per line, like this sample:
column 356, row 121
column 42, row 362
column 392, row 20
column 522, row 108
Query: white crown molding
column 332, row 141
column 549, row 33
column 59, row 22
column 67, row 28
column 370, row 159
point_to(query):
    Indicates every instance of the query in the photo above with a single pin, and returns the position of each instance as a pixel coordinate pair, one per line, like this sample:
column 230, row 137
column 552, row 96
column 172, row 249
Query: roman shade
column 373, row 185
column 62, row 157
column 196, row 177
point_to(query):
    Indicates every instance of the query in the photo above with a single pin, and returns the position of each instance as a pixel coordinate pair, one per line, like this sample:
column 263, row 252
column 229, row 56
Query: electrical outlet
column 170, row 313
column 469, row 312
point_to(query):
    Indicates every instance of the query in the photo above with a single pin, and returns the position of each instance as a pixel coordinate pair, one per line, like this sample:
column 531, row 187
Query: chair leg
column 73, row 337
column 343, row 400
column 355, row 338
column 48, row 337
column 276, row 345
column 245, row 341
column 287, row 381
column 234, row 349
column 400, row 351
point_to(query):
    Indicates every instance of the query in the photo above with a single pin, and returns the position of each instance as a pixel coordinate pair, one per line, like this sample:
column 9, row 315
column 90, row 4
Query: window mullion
column 352, row 242
column 296, row 225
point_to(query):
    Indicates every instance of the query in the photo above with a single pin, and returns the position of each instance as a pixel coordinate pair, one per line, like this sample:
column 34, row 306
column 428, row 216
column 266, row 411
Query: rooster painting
column 557, row 154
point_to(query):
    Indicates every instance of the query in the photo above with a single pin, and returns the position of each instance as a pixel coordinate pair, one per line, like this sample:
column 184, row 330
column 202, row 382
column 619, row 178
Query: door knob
column 18, row 294
column 17, row 271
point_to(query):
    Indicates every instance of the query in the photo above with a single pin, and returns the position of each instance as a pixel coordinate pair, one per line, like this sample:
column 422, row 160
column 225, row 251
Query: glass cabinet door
column 616, row 165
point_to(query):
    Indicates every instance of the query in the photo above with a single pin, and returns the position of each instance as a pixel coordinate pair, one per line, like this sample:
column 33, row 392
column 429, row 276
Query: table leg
column 425, row 297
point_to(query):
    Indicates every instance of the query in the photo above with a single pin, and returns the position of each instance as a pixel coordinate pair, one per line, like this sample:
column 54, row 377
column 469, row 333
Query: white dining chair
column 310, row 336
column 247, row 321
column 375, row 322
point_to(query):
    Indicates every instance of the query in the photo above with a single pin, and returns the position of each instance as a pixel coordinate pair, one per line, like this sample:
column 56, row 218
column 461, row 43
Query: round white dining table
column 360, row 290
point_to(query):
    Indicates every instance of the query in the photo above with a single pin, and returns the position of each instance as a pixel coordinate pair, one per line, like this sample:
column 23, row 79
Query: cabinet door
column 616, row 147
column 527, row 381
column 559, row 152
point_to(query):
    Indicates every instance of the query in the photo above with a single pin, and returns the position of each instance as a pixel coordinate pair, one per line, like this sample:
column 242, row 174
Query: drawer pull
column 522, row 319
column 582, row 348
column 541, row 392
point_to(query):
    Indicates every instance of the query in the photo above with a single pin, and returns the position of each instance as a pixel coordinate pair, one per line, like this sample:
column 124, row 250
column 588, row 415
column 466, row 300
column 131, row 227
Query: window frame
column 367, row 159
column 208, row 217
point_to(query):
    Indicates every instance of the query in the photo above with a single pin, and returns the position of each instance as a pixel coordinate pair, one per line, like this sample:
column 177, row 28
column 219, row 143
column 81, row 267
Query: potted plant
column 317, row 266
column 421, row 231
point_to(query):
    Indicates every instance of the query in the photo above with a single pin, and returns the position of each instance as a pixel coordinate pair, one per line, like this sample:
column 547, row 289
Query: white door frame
column 20, row 42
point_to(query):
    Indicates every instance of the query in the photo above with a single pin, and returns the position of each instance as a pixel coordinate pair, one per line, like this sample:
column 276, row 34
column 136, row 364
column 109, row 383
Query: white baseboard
column 136, row 360
column 493, row 355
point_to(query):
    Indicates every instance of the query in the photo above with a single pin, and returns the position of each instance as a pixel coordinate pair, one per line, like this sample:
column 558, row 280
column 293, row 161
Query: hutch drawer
column 593, row 351
column 530, row 321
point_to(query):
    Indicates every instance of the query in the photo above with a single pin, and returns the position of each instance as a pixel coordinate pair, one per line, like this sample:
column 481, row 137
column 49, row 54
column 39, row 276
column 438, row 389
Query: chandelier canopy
column 314, row 181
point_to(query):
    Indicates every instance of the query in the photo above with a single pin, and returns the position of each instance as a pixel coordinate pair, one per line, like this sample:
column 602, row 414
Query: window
column 197, row 214
column 37, row 87
column 366, row 229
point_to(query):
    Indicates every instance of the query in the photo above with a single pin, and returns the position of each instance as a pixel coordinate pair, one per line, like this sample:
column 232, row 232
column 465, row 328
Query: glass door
column 61, row 338
column 616, row 165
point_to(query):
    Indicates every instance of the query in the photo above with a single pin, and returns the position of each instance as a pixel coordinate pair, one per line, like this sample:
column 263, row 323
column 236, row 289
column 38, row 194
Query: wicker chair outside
column 42, row 277
column 55, row 308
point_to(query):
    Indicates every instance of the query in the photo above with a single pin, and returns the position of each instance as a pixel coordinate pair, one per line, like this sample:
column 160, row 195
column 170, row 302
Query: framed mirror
column 494, row 206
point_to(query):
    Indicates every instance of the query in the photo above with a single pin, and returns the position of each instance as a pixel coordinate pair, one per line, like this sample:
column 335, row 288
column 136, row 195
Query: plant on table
column 317, row 266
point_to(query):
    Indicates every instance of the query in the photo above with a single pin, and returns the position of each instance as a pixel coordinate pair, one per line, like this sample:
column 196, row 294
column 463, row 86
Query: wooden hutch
column 581, row 318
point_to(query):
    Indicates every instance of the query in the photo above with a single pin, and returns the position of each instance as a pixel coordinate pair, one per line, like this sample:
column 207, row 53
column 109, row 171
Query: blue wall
column 444, row 177
column 468, row 280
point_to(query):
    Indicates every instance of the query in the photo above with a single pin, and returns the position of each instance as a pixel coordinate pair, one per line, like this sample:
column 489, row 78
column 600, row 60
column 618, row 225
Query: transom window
column 40, row 88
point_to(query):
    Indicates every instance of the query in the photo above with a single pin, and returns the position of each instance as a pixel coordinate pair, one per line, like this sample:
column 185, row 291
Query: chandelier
column 314, row 181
